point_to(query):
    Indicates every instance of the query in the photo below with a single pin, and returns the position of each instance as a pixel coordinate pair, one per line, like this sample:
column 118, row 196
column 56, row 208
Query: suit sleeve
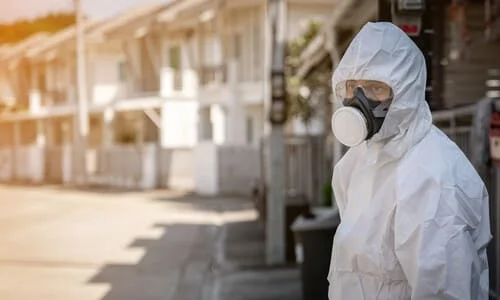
column 440, row 238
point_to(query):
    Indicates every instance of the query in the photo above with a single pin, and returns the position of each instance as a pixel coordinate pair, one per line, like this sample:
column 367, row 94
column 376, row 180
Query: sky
column 11, row 10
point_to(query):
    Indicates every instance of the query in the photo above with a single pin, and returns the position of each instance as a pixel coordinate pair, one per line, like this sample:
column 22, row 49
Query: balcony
column 54, row 97
column 178, row 82
column 213, row 75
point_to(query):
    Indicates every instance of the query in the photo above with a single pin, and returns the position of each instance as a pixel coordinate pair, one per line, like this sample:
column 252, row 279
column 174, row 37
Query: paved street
column 66, row 244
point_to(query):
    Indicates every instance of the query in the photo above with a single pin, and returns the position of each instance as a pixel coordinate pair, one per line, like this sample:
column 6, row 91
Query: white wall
column 225, row 169
column 179, row 121
column 106, row 84
column 29, row 163
column 239, row 168
column 177, row 168
column 256, row 113
column 206, row 174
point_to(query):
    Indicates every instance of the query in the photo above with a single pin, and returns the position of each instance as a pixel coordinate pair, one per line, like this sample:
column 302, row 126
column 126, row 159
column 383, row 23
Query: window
column 174, row 57
column 249, row 130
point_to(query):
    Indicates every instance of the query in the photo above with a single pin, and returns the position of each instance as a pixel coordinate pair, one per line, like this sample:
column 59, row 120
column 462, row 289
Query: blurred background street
column 105, row 244
column 182, row 149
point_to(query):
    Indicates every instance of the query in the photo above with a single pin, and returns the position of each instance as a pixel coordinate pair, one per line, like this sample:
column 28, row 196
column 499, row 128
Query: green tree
column 301, row 89
column 19, row 30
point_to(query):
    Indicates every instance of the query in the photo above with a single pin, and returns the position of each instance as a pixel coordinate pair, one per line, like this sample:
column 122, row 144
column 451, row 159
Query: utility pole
column 384, row 11
column 437, row 48
column 276, row 197
column 82, row 113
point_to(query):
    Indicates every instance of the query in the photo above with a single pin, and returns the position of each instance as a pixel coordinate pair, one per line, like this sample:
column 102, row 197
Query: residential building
column 216, row 57
column 189, row 78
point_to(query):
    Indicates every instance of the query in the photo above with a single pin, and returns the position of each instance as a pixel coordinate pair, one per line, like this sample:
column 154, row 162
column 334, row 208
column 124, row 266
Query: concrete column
column 189, row 74
column 167, row 73
column 107, row 127
column 235, row 124
column 190, row 82
column 218, row 116
column 41, row 135
column 108, row 137
column 179, row 124
column 67, row 164
column 37, row 153
column 167, row 81
column 206, row 175
column 35, row 98
column 149, row 166
column 204, row 124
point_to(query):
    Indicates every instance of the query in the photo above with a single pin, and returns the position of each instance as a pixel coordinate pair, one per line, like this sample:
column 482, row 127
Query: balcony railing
column 210, row 75
column 54, row 97
column 178, row 81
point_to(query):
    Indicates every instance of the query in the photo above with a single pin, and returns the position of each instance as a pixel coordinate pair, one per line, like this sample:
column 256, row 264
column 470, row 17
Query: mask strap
column 381, row 110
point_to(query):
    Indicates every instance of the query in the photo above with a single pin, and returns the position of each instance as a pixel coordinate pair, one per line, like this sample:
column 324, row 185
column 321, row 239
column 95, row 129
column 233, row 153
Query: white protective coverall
column 414, row 212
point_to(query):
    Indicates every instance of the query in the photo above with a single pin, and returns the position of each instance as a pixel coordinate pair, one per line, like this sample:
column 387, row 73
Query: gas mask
column 363, row 114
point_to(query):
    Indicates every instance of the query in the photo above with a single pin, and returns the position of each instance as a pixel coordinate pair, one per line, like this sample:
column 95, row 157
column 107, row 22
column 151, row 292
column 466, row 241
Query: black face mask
column 374, row 111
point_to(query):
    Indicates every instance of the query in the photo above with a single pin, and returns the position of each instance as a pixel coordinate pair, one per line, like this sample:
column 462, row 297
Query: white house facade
column 189, row 79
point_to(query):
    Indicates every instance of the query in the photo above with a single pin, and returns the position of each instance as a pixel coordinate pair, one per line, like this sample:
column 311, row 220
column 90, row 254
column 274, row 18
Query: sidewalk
column 243, row 274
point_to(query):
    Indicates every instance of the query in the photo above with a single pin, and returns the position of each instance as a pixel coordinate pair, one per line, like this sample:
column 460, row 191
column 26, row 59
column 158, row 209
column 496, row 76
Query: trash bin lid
column 326, row 218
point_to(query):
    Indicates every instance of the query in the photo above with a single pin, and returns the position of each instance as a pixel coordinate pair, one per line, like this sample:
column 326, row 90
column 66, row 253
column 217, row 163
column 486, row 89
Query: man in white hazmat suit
column 414, row 213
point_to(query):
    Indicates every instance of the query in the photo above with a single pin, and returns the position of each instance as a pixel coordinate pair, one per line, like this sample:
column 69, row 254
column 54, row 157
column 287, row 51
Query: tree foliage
column 21, row 29
column 300, row 89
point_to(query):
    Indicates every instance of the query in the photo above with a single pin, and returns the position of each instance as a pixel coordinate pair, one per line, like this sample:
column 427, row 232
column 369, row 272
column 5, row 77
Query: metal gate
column 308, row 167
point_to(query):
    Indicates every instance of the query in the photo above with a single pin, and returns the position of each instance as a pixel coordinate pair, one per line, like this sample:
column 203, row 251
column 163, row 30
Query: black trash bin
column 296, row 205
column 314, row 240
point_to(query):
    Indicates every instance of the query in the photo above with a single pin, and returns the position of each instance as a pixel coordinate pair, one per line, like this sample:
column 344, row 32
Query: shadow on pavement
column 99, row 189
column 188, row 261
column 245, row 275
column 225, row 204
column 175, row 266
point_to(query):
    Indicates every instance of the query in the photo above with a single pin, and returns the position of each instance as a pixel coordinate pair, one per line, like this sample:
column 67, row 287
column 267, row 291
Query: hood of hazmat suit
column 414, row 212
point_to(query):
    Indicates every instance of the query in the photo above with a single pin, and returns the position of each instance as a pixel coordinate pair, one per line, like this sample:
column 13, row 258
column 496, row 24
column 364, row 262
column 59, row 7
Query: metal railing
column 306, row 167
column 213, row 74
column 457, row 124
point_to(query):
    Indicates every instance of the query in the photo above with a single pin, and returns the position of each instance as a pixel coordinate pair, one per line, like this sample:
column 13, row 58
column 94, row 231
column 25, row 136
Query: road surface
column 62, row 244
